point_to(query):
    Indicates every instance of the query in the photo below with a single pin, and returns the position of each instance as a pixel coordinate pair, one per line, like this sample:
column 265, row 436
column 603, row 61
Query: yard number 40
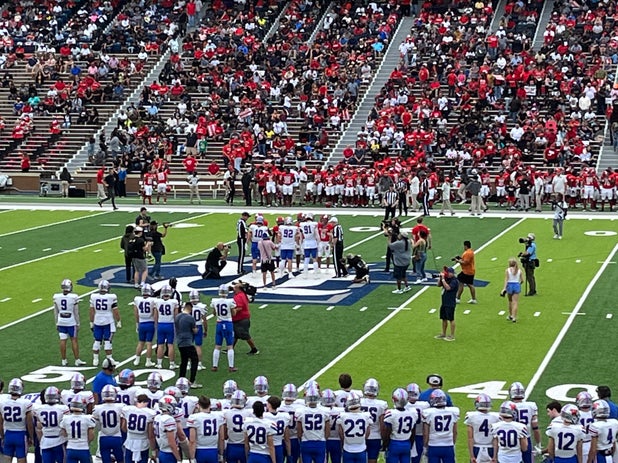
column 499, row 390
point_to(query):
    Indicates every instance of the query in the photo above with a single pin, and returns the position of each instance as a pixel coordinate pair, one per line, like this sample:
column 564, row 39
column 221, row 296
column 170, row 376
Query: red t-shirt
column 242, row 304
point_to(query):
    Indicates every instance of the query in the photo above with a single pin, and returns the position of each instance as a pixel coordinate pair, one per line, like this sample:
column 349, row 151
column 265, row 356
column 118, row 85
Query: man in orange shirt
column 466, row 276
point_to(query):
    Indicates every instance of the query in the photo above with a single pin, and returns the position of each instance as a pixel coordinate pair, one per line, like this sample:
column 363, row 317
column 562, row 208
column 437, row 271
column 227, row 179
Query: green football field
column 319, row 329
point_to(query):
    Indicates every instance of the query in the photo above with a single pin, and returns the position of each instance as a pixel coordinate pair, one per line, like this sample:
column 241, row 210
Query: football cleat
column 584, row 400
column 260, row 385
column 600, row 409
column 414, row 392
column 103, row 286
column 183, row 386
column 154, row 381
column 517, row 391
column 66, row 285
column 52, row 395
column 238, row 399
column 109, row 393
column 126, row 377
column 508, row 409
column 229, row 387
column 353, row 401
column 289, row 392
column 78, row 382
column 167, row 404
column 371, row 388
column 437, row 398
column 570, row 414
column 400, row 398
column 482, row 403
column 328, row 398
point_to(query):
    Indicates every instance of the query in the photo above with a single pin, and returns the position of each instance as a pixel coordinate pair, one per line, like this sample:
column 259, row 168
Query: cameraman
column 242, row 318
column 529, row 261
column 157, row 248
column 468, row 270
column 216, row 260
column 391, row 231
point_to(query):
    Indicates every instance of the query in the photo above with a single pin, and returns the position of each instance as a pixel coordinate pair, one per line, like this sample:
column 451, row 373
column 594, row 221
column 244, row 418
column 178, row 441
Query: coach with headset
column 435, row 382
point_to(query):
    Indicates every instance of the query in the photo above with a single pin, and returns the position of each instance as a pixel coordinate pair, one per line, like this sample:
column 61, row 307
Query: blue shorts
column 418, row 445
column 398, row 451
column 572, row 459
column 295, row 452
column 78, row 456
column 224, row 331
column 145, row 331
column 311, row 252
column 198, row 339
column 110, row 445
column 477, row 450
column 68, row 330
column 333, row 450
column 15, row 444
column 441, row 454
column 255, row 252
column 235, row 453
column 527, row 455
column 513, row 288
column 279, row 453
column 602, row 457
column 53, row 454
column 166, row 457
column 102, row 332
column 354, row 457
column 165, row 333
column 258, row 458
column 287, row 254
column 206, row 455
column 313, row 451
column 373, row 448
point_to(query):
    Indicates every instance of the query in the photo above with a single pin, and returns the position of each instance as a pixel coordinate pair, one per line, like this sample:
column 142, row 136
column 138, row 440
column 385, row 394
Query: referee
column 241, row 240
column 339, row 263
column 391, row 199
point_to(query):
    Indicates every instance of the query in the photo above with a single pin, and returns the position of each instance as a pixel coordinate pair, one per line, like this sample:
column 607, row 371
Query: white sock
column 215, row 357
column 159, row 362
column 315, row 267
column 306, row 264
column 230, row 357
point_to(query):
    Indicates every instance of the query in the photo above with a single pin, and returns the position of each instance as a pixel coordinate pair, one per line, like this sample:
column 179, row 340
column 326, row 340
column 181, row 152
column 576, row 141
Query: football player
column 48, row 417
column 354, row 429
column 583, row 401
column 527, row 414
column 603, row 431
column 376, row 408
column 280, row 422
column 286, row 238
column 78, row 383
column 206, row 439
column 309, row 236
column 510, row 438
column 260, row 387
column 233, row 428
column 153, row 389
column 565, row 437
column 78, row 429
column 398, row 429
column 224, row 308
column 66, row 314
column 166, row 431
column 325, row 236
column 259, row 436
column 414, row 392
column 146, row 316
column 168, row 309
column 229, row 387
column 255, row 234
column 107, row 417
column 290, row 405
column 480, row 442
column 313, row 427
column 126, row 387
column 345, row 384
column 199, row 312
column 136, row 422
column 187, row 403
column 440, row 429
column 333, row 443
column 103, row 313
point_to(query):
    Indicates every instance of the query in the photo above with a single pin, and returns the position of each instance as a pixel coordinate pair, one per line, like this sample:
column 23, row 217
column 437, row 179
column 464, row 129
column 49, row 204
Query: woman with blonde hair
column 513, row 278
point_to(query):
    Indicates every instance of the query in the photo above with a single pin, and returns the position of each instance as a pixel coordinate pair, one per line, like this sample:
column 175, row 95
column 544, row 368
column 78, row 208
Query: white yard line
column 568, row 323
column 38, row 227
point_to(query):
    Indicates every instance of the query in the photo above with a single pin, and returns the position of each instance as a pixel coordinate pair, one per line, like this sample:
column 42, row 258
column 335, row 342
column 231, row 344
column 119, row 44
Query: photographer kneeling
column 216, row 260
column 357, row 263
column 529, row 261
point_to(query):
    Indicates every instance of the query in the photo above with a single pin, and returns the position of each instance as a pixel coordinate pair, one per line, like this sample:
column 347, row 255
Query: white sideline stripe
column 609, row 315
column 38, row 299
column 466, row 312
column 38, row 227
column 362, row 309
column 406, row 303
column 537, row 314
column 432, row 310
column 501, row 313
column 364, row 240
column 40, row 312
column 22, row 249
column 567, row 324
column 296, row 307
column 263, row 306
column 330, row 307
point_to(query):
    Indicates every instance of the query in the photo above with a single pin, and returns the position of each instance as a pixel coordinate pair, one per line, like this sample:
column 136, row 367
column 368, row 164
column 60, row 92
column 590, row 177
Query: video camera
column 524, row 240
column 167, row 225
column 248, row 289
column 456, row 258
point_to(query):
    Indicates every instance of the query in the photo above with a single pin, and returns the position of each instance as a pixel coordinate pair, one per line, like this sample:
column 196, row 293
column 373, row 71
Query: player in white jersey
column 376, row 408
column 229, row 387
column 199, row 312
column 313, row 427
column 333, row 443
column 167, row 307
column 309, row 235
column 103, row 313
column 48, row 417
column 566, row 437
column 281, row 425
column 257, row 231
column 233, row 425
column 153, row 389
column 510, row 438
column 290, row 405
column 107, row 416
column 286, row 238
column 440, row 429
column 137, row 423
column 206, row 439
column 345, row 383
column 260, row 387
column 353, row 428
column 166, row 431
column 259, row 436
column 187, row 403
column 414, row 392
column 603, row 432
column 398, row 428
column 66, row 315
column 224, row 308
column 480, row 441
column 584, row 403
column 78, row 428
column 78, row 383
column 146, row 316
column 527, row 413
column 126, row 387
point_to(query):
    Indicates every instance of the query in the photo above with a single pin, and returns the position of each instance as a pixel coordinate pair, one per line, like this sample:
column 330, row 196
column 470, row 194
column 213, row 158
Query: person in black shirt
column 402, row 189
column 157, row 248
column 391, row 231
column 357, row 263
column 215, row 261
column 241, row 240
column 110, row 186
column 338, row 261
column 138, row 247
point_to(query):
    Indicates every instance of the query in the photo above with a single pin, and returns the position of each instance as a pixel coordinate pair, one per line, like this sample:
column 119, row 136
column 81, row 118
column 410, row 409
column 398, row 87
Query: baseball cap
column 246, row 214
column 434, row 380
column 107, row 364
column 154, row 222
column 449, row 269
column 138, row 229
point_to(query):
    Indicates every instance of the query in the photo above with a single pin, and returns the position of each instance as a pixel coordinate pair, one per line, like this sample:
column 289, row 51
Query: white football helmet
column 289, row 220
column 166, row 291
column 78, row 404
column 508, row 409
column 194, row 296
column 600, row 409
column 16, row 386
column 109, row 393
column 78, row 382
column 312, row 383
column 146, row 290
column 353, row 401
column 309, row 216
column 371, row 388
column 238, row 399
column 224, row 290
column 183, row 386
column 167, row 404
column 103, row 286
column 229, row 387
column 52, row 395
column 437, row 398
column 260, row 385
column 414, row 392
column 154, row 381
column 570, row 414
column 328, row 398
column 312, row 396
column 400, row 397
column 517, row 391
column 289, row 392
column 66, row 285
column 583, row 400
column 126, row 377
column 482, row 402
column 174, row 392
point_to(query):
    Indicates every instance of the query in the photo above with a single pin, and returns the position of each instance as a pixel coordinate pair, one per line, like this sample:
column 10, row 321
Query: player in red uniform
column 608, row 189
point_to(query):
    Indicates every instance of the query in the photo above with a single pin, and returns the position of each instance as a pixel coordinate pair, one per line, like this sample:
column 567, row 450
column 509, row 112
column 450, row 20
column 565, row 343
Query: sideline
column 52, row 224
column 568, row 323
column 394, row 312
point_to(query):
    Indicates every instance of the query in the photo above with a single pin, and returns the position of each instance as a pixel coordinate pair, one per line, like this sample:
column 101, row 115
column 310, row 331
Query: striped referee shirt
column 391, row 197
column 241, row 229
column 338, row 233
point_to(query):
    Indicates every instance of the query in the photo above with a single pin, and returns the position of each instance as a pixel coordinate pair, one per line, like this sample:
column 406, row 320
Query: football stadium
column 491, row 124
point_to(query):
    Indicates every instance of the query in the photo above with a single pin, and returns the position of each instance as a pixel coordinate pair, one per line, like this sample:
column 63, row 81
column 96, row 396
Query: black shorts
column 241, row 329
column 465, row 279
column 362, row 272
column 267, row 266
column 399, row 272
column 447, row 313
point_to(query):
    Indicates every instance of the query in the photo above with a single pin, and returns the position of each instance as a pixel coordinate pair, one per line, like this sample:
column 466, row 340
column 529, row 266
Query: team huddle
column 345, row 425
